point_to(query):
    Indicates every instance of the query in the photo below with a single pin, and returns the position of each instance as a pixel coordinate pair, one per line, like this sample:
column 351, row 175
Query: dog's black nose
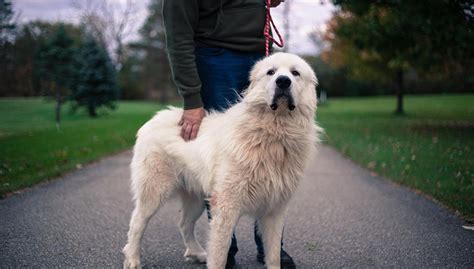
column 283, row 82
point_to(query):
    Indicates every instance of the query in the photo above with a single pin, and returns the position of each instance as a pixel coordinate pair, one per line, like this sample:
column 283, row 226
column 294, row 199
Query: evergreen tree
column 7, row 26
column 7, row 33
column 29, row 38
column 96, row 83
column 56, row 65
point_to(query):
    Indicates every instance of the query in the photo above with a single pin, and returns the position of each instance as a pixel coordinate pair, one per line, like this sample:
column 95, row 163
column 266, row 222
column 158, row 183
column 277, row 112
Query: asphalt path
column 341, row 216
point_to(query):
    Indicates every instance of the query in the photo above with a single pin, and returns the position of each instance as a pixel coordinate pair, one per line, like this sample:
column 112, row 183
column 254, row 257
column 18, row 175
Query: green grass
column 33, row 149
column 431, row 148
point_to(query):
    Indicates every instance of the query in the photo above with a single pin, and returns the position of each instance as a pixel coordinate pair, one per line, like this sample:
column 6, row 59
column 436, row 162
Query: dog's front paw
column 132, row 257
column 195, row 257
column 131, row 263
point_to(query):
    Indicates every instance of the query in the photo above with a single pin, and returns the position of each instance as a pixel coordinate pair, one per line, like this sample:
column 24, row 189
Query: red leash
column 268, row 37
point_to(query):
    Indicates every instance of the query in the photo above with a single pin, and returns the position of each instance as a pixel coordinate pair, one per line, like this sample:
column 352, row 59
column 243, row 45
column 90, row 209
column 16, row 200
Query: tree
column 96, row 83
column 109, row 23
column 384, row 39
column 29, row 38
column 56, row 65
column 335, row 81
column 7, row 33
column 129, row 76
column 151, row 49
column 7, row 24
column 150, row 52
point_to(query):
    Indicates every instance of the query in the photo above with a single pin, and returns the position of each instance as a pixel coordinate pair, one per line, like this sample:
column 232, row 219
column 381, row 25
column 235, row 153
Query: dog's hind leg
column 193, row 206
column 153, row 182
column 271, row 226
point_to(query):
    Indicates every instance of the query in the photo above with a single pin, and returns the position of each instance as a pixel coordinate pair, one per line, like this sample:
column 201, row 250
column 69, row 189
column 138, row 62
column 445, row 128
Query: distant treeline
column 141, row 69
column 367, row 48
column 338, row 81
column 405, row 46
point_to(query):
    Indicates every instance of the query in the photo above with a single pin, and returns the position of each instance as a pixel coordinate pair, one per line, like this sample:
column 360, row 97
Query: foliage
column 56, row 65
column 56, row 58
column 150, row 54
column 7, row 31
column 383, row 40
column 336, row 81
column 23, row 77
column 143, row 68
column 431, row 149
column 129, row 77
column 108, row 23
column 402, row 34
column 32, row 149
column 95, row 83
column 7, row 25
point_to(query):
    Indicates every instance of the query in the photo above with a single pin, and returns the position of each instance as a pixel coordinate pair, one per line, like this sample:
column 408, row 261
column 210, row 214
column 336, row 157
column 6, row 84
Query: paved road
column 342, row 216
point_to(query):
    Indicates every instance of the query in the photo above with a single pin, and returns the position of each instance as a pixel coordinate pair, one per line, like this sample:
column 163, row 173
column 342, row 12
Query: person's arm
column 180, row 18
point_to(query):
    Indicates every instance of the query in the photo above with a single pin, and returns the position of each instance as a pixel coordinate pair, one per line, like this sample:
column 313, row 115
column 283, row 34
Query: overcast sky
column 305, row 15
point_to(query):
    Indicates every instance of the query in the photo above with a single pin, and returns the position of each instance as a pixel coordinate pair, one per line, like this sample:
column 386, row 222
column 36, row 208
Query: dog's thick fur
column 247, row 160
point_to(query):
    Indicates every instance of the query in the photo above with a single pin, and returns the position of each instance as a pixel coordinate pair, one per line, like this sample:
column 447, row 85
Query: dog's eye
column 271, row 72
column 295, row 73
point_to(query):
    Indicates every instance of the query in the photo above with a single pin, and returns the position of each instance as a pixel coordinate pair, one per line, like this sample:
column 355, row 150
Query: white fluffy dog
column 247, row 160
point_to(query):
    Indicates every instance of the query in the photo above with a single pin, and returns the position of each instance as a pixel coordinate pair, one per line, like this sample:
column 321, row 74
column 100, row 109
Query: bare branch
column 109, row 22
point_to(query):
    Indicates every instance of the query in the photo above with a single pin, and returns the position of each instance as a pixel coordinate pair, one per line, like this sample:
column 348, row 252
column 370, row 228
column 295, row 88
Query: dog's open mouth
column 281, row 97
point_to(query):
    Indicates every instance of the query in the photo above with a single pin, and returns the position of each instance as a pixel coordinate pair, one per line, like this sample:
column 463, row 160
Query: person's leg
column 223, row 74
column 286, row 261
column 259, row 242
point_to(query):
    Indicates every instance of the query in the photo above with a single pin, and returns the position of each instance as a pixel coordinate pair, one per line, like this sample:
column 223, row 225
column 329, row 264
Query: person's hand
column 190, row 122
column 275, row 3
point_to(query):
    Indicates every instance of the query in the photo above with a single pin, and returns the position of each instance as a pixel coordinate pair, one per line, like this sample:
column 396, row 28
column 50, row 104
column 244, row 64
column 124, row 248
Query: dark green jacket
column 231, row 24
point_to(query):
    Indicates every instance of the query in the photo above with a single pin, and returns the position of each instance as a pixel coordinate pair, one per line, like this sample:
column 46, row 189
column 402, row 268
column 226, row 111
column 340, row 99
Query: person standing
column 212, row 45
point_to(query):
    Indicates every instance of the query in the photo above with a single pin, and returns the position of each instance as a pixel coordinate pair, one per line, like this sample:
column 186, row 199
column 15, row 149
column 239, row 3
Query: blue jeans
column 224, row 75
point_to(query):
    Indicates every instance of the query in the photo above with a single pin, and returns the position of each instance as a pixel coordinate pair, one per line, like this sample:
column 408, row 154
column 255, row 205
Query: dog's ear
column 251, row 86
column 255, row 70
column 253, row 76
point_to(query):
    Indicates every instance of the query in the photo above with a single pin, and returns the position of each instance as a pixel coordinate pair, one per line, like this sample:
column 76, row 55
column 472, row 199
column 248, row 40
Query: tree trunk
column 400, row 90
column 119, row 51
column 58, row 103
column 92, row 111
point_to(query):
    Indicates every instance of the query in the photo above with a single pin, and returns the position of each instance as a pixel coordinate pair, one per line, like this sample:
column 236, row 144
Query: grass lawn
column 431, row 148
column 32, row 149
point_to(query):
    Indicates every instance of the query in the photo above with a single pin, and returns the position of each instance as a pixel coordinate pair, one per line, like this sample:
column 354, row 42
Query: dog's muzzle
column 283, row 91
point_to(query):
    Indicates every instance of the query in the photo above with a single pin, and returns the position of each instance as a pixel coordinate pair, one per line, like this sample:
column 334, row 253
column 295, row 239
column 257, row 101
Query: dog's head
column 282, row 81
